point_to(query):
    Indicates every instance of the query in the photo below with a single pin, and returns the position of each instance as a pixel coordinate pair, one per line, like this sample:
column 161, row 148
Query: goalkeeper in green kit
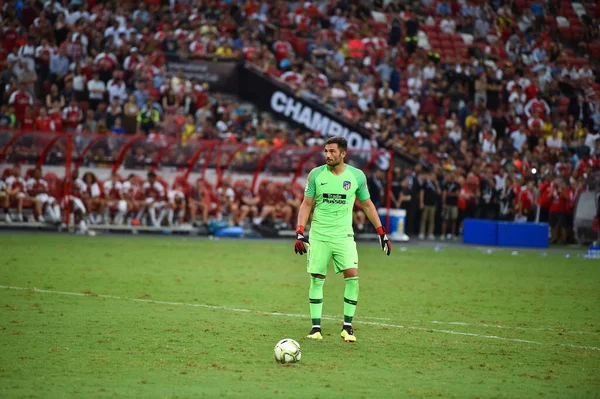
column 332, row 190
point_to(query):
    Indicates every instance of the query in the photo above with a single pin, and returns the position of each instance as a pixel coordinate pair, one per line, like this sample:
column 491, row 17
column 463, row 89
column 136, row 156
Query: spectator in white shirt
column 452, row 121
column 487, row 131
column 519, row 137
column 112, row 31
column 385, row 91
column 128, row 30
column 553, row 141
column 353, row 84
column 448, row 26
column 338, row 21
column 96, row 89
column 429, row 71
column 586, row 72
column 590, row 140
column 337, row 91
column 455, row 134
column 517, row 100
column 488, row 145
column 414, row 83
column 526, row 20
column 421, row 134
column 27, row 53
column 73, row 17
column 116, row 88
column 538, row 55
column 413, row 105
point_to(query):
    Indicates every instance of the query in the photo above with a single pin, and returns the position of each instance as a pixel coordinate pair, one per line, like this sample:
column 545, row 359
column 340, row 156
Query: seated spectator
column 554, row 142
column 16, row 193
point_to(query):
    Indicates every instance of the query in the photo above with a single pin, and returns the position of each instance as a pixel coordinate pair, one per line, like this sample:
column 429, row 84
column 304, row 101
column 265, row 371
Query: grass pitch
column 163, row 318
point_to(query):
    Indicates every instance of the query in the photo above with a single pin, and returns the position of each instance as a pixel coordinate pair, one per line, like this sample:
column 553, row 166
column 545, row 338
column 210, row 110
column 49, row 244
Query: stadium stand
column 490, row 109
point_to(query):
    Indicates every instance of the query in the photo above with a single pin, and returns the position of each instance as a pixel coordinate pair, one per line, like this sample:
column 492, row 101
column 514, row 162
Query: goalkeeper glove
column 386, row 245
column 301, row 241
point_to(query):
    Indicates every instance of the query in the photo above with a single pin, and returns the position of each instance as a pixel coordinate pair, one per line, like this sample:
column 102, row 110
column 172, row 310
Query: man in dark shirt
column 450, row 206
column 429, row 196
column 488, row 200
column 377, row 188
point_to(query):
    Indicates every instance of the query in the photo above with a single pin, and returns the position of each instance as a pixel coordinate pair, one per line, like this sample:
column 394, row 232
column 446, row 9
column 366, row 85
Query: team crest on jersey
column 347, row 185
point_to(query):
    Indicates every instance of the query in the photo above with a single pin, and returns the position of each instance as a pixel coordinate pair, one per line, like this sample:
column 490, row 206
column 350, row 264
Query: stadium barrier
column 505, row 234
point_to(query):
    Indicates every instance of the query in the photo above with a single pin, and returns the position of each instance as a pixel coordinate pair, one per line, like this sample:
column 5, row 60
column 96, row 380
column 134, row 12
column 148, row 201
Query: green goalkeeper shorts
column 343, row 252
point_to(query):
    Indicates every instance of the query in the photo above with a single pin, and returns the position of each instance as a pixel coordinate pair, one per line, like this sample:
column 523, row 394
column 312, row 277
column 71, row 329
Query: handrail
column 261, row 165
column 302, row 162
column 207, row 159
column 10, row 143
column 127, row 146
column 221, row 171
column 89, row 145
column 46, row 149
column 225, row 153
column 162, row 152
column 196, row 155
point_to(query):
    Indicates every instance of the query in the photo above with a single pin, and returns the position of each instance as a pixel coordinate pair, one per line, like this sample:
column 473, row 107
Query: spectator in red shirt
column 559, row 201
column 72, row 116
column 525, row 203
column 21, row 99
column 56, row 117
column 543, row 199
column 28, row 123
column 43, row 123
column 11, row 35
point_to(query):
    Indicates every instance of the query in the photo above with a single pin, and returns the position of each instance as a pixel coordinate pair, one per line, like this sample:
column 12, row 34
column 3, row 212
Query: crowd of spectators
column 488, row 95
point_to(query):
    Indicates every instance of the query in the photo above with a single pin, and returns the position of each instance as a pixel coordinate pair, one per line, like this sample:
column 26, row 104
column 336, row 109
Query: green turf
column 438, row 335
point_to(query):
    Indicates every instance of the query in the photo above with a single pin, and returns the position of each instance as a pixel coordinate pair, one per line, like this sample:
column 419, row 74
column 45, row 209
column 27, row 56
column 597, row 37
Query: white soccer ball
column 287, row 351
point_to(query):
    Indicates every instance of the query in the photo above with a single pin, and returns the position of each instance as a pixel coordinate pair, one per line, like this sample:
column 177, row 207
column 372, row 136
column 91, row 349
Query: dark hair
column 341, row 142
column 151, row 174
column 86, row 174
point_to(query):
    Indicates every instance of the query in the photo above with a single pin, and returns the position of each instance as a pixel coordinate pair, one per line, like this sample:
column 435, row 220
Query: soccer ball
column 287, row 351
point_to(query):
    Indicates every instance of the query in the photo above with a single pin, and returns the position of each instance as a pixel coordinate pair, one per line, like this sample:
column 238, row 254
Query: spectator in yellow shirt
column 471, row 122
column 547, row 128
column 209, row 27
column 224, row 50
column 188, row 131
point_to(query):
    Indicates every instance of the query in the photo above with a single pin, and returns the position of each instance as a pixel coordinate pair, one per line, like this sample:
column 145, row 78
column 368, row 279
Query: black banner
column 221, row 74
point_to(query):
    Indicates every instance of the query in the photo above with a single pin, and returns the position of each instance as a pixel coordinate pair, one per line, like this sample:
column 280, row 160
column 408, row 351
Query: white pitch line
column 460, row 323
column 218, row 307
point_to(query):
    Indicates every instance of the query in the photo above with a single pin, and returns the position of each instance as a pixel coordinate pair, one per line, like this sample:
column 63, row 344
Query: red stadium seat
column 428, row 29
column 521, row 4
column 565, row 33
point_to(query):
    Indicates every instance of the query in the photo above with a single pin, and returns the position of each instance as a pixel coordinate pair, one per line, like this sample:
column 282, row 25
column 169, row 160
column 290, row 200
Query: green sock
column 350, row 299
column 315, row 298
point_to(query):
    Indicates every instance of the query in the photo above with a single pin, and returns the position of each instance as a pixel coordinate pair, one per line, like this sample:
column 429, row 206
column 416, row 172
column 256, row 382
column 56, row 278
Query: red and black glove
column 301, row 241
column 386, row 245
